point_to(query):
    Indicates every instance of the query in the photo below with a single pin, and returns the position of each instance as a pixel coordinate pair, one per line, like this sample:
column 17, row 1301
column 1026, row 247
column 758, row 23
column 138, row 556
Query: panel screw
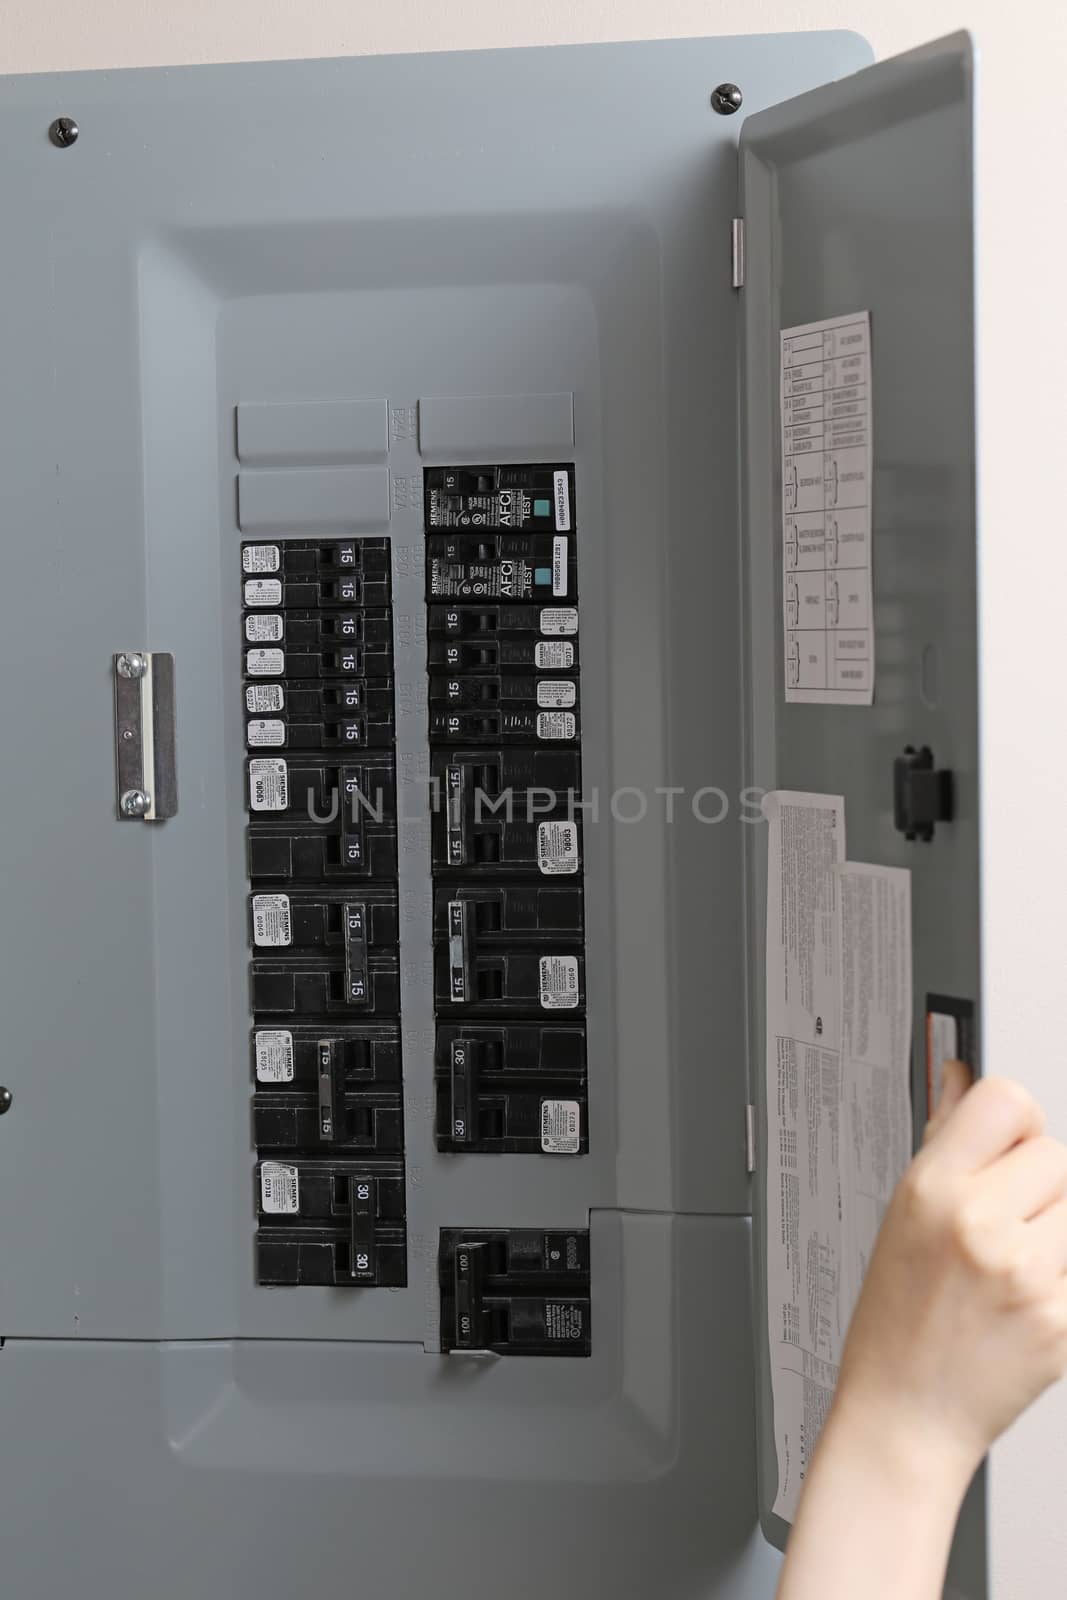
column 131, row 665
column 64, row 132
column 135, row 802
column 5, row 1101
column 726, row 99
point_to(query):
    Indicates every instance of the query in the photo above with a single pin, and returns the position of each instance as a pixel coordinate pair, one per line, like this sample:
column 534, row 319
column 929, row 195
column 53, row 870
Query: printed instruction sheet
column 827, row 588
column 838, row 1030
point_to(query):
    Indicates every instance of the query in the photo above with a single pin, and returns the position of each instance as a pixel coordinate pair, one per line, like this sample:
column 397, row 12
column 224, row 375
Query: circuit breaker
column 399, row 446
column 508, row 905
column 323, row 923
column 515, row 1293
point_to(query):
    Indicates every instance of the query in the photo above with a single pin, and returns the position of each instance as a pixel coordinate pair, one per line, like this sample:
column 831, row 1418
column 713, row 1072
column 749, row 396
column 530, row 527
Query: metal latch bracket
column 145, row 771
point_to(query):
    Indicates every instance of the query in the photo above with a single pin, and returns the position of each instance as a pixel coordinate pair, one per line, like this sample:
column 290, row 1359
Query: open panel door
column 858, row 196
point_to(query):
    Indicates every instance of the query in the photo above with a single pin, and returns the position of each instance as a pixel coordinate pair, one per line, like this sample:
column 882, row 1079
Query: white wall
column 1023, row 360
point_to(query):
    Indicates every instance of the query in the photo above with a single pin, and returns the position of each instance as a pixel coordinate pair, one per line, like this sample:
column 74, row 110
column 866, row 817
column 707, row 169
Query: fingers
column 956, row 1079
column 989, row 1120
column 1047, row 1234
column 1027, row 1180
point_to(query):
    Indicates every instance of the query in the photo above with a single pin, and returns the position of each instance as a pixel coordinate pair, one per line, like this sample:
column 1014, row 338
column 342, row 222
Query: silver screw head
column 64, row 132
column 726, row 99
column 132, row 665
column 135, row 802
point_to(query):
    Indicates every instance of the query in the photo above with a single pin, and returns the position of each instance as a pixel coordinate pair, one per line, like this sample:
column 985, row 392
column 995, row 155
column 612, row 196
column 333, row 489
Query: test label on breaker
column 561, row 1127
column 559, row 982
column 557, row 847
column 272, row 923
column 279, row 1187
column 274, row 1055
column 268, row 784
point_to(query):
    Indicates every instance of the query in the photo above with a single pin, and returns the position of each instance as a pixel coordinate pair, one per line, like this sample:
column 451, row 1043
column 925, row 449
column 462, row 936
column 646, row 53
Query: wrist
column 911, row 1455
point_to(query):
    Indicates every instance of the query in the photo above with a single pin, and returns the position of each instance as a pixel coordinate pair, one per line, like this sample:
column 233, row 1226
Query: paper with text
column 838, row 1032
column 827, row 588
column 876, row 1034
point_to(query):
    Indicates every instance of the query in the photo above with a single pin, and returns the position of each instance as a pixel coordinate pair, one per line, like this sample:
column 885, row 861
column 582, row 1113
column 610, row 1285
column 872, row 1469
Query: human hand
column 962, row 1321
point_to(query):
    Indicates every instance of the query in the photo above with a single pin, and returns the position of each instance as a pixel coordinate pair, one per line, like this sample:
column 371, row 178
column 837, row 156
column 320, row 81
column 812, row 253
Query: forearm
column 877, row 1514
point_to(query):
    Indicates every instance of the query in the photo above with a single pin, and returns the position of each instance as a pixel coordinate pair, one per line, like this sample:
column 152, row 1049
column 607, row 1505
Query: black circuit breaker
column 323, row 950
column 327, row 1113
column 506, row 807
column 338, row 1222
column 502, row 566
column 312, row 645
column 515, row 1292
column 504, row 707
column 521, row 830
column 508, row 951
column 317, row 575
column 354, row 715
column 515, row 1088
column 335, row 1091
column 516, row 798
column 492, row 637
column 534, row 499
column 317, row 820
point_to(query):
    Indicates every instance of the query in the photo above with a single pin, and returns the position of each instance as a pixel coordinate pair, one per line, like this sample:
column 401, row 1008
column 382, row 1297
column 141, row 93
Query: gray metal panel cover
column 858, row 196
column 322, row 234
column 277, row 235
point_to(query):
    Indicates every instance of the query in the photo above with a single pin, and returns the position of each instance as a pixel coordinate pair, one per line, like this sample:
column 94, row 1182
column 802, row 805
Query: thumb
column 956, row 1079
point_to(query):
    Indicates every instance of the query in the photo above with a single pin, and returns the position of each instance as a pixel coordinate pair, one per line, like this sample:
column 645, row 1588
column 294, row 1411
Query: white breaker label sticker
column 272, row 924
column 559, row 619
column 562, row 495
column 557, row 847
column 261, row 558
column 557, row 692
column 268, row 784
column 827, row 592
column 264, row 629
column 274, row 1055
column 263, row 592
column 559, row 566
column 559, row 983
column 555, row 724
column 279, row 1187
column 265, row 663
column 561, row 1127
column 552, row 654
column 264, row 697
column 265, row 731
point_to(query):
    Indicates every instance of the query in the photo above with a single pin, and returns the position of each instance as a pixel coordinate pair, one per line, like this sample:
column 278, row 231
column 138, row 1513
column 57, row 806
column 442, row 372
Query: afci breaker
column 442, row 496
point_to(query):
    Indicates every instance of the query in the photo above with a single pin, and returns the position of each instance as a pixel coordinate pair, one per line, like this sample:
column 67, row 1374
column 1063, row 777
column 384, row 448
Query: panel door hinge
column 750, row 1138
column 737, row 252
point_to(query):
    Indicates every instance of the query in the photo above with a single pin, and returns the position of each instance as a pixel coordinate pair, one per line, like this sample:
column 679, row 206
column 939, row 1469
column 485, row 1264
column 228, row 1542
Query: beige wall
column 1023, row 368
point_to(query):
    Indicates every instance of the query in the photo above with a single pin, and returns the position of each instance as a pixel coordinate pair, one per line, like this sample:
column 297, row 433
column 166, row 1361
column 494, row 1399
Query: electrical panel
column 400, row 472
column 322, row 915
